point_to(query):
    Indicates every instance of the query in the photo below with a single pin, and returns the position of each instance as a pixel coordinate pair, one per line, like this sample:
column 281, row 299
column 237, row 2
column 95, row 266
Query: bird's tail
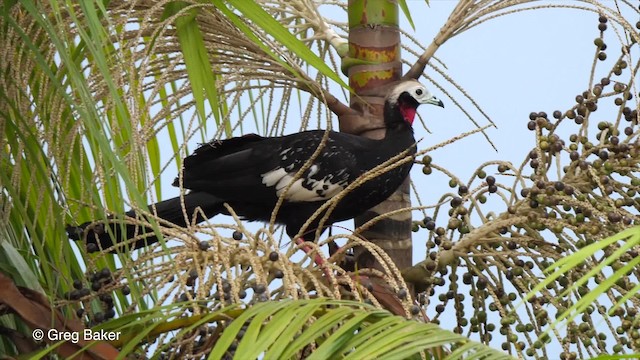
column 198, row 207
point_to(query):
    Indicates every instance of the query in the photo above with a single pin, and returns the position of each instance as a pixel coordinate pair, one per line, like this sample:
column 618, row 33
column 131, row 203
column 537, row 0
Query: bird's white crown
column 413, row 88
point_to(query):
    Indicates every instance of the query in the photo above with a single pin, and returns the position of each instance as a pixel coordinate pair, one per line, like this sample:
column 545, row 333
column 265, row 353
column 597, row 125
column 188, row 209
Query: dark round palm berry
column 226, row 286
column 456, row 201
column 531, row 125
column 259, row 289
column 93, row 276
column 110, row 314
column 574, row 155
column 76, row 294
column 77, row 284
column 614, row 217
column 91, row 248
column 602, row 19
column 237, row 235
column 467, row 278
column 278, row 274
column 582, row 110
column 125, row 290
column 84, row 292
column 493, row 189
column 614, row 140
column 402, row 294
column 481, row 283
column 557, row 114
column 414, row 310
column 274, row 256
column 490, row 180
column 463, row 190
column 242, row 294
column 204, row 245
column 105, row 273
column 430, row 225
column 583, row 165
column 597, row 90
column 96, row 285
column 80, row 312
column 602, row 27
column 98, row 317
column 533, row 115
column 107, row 299
column 193, row 273
column 558, row 185
column 603, row 154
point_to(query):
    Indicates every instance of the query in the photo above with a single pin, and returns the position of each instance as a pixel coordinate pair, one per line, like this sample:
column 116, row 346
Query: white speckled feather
column 315, row 189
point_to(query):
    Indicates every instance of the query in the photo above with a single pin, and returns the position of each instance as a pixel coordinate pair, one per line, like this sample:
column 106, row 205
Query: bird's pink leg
column 316, row 257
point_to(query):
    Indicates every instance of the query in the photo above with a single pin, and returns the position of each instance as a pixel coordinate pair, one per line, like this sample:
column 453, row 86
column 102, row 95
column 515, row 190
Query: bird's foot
column 348, row 262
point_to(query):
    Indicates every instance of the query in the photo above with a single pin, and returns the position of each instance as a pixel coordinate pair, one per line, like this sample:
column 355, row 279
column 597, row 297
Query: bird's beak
column 434, row 101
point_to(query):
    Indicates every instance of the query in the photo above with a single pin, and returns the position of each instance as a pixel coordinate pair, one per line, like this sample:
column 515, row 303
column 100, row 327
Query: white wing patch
column 305, row 188
column 272, row 177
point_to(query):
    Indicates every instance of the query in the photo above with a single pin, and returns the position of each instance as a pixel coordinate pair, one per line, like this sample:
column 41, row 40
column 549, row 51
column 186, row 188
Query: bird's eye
column 419, row 92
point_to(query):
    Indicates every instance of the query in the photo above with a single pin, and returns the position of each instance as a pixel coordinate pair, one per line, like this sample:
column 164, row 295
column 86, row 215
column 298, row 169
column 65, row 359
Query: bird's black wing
column 258, row 169
column 330, row 172
column 219, row 157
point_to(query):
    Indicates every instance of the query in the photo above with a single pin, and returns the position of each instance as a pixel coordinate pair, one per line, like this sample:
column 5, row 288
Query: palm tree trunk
column 374, row 36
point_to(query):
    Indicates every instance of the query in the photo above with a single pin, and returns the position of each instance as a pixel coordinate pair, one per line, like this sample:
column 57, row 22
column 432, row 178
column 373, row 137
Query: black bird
column 251, row 172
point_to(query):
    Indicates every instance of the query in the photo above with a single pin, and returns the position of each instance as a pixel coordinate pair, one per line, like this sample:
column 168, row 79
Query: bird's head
column 404, row 98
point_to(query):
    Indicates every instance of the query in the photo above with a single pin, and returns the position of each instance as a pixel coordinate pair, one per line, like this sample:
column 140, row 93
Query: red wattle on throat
column 408, row 113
